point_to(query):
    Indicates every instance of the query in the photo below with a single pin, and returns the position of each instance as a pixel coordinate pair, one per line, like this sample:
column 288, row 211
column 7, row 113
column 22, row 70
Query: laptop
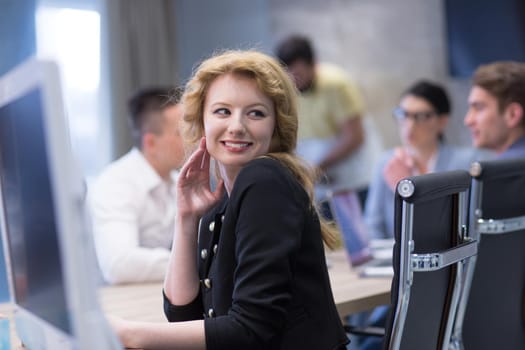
column 48, row 247
column 368, row 257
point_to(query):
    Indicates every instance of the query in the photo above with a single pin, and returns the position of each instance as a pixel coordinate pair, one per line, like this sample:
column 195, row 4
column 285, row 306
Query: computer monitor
column 47, row 243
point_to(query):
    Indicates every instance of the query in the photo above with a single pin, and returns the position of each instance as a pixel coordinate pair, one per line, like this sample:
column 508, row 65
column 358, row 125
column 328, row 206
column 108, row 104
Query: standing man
column 132, row 201
column 331, row 130
column 496, row 108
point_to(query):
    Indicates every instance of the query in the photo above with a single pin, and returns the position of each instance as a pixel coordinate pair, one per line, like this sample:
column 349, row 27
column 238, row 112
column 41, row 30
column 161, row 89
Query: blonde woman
column 247, row 269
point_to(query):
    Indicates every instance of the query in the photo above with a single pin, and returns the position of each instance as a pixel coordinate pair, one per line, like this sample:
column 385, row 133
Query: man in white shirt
column 132, row 201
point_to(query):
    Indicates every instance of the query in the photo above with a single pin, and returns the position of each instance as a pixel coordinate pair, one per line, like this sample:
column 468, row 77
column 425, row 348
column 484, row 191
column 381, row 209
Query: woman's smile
column 236, row 146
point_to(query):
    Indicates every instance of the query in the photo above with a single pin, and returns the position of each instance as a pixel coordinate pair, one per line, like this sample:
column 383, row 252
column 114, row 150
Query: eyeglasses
column 401, row 115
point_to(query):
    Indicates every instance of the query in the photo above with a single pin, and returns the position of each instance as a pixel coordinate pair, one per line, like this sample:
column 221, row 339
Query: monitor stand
column 36, row 334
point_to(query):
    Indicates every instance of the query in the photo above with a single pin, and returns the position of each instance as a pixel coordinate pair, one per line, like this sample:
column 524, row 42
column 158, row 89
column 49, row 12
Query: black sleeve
column 270, row 207
column 176, row 313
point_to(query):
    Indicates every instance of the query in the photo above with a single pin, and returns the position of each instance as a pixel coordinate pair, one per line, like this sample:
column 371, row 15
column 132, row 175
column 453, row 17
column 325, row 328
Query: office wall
column 204, row 26
column 17, row 42
column 385, row 45
column 494, row 31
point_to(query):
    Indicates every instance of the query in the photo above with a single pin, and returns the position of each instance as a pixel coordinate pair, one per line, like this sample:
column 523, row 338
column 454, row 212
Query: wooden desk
column 143, row 302
column 351, row 293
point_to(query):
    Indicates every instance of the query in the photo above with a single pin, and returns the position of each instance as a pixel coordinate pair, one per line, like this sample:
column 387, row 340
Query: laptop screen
column 347, row 212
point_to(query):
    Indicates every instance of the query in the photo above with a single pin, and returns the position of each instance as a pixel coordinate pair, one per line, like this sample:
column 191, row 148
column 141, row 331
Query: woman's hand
column 401, row 165
column 124, row 331
column 159, row 335
column 194, row 196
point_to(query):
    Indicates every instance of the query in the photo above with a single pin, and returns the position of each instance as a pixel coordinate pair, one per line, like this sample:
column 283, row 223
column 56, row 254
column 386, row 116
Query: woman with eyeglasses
column 422, row 116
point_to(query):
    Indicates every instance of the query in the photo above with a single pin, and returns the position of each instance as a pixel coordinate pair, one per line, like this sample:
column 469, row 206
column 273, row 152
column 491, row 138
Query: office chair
column 431, row 243
column 491, row 313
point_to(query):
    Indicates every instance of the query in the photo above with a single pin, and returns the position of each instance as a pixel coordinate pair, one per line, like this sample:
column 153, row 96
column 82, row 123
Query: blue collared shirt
column 516, row 150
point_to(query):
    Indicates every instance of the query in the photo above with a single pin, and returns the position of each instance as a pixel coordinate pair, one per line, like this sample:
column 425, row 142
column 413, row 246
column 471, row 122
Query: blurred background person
column 422, row 116
column 497, row 107
column 332, row 132
column 133, row 199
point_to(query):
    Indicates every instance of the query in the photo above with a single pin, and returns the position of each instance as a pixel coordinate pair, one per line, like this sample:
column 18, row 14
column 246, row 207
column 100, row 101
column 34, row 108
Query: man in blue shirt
column 496, row 114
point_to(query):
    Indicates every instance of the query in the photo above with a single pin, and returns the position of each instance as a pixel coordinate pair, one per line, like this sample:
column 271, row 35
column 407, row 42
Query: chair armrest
column 501, row 226
column 436, row 261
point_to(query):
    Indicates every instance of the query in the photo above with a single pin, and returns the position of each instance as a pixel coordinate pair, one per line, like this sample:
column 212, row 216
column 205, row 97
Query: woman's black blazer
column 264, row 280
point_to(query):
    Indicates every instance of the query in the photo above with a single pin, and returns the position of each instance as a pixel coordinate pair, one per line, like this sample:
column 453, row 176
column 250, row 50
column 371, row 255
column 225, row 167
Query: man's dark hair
column 295, row 48
column 433, row 93
column 505, row 80
column 144, row 109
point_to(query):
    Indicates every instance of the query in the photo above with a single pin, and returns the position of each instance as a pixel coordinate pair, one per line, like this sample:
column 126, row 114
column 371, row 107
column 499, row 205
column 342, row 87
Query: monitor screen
column 48, row 246
column 29, row 211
